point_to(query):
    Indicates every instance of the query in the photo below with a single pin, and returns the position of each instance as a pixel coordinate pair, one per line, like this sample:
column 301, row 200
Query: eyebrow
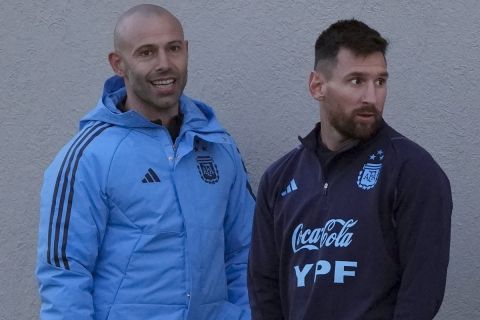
column 144, row 46
column 362, row 74
column 384, row 74
column 153, row 46
column 176, row 41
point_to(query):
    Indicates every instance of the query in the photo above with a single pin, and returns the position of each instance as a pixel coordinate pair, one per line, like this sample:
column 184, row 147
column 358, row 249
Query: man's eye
column 175, row 48
column 380, row 82
column 356, row 81
column 146, row 53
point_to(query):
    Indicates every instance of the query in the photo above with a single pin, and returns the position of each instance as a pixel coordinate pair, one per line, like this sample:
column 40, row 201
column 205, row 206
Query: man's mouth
column 163, row 83
column 366, row 114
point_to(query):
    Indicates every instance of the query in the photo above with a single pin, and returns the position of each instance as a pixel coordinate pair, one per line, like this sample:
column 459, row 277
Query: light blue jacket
column 134, row 227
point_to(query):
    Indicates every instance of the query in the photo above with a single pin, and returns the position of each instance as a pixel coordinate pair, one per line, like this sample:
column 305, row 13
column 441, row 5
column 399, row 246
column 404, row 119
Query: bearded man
column 355, row 222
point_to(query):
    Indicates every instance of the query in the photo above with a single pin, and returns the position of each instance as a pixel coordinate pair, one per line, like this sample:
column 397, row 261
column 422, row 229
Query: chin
column 166, row 102
column 364, row 132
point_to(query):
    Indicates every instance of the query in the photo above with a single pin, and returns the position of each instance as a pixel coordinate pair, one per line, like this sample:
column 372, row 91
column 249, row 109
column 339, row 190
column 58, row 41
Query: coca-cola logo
column 336, row 232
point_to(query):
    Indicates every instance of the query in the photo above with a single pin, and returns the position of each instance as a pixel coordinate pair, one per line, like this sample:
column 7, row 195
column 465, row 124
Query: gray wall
column 250, row 59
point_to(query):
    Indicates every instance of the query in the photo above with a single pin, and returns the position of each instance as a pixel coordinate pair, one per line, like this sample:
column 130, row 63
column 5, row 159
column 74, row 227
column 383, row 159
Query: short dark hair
column 349, row 34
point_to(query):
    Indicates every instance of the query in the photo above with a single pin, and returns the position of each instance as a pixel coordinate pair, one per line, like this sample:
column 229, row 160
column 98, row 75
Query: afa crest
column 207, row 169
column 370, row 173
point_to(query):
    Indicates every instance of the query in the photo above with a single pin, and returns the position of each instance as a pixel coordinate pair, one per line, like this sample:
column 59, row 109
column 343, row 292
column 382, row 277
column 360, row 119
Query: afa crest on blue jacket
column 369, row 174
column 208, row 169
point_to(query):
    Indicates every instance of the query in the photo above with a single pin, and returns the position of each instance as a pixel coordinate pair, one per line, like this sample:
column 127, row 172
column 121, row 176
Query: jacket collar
column 311, row 142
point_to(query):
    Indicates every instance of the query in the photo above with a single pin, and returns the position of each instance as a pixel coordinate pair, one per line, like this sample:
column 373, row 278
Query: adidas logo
column 150, row 176
column 292, row 186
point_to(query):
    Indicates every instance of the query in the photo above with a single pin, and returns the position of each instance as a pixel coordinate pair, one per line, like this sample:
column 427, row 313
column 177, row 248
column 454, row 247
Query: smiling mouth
column 163, row 83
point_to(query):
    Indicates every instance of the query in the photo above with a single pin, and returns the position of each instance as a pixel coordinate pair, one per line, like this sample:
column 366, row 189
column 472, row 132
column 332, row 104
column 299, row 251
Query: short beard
column 351, row 129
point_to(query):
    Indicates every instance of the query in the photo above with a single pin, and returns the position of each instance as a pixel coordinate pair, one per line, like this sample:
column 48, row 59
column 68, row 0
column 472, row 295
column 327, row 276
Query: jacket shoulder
column 413, row 157
column 281, row 171
column 285, row 163
column 91, row 148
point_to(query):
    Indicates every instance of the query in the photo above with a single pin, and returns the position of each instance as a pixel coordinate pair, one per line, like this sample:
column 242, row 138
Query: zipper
column 174, row 146
column 173, row 159
column 325, row 188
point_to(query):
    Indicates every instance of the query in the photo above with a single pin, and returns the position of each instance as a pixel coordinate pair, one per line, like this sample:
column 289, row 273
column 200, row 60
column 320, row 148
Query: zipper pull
column 325, row 187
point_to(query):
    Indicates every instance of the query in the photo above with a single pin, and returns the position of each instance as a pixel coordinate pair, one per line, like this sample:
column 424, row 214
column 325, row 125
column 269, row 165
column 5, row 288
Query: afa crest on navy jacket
column 135, row 227
column 355, row 234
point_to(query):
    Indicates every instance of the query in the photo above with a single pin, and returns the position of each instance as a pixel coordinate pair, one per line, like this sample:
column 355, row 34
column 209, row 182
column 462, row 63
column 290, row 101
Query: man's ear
column 116, row 63
column 316, row 85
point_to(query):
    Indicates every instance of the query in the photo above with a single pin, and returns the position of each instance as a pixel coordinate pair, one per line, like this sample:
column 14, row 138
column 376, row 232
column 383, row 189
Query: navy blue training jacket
column 362, row 234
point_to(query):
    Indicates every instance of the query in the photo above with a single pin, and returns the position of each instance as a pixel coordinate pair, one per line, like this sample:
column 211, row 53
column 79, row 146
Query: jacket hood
column 197, row 116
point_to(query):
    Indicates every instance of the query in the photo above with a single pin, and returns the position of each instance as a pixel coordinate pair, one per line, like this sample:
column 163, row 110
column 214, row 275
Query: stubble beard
column 350, row 128
column 142, row 90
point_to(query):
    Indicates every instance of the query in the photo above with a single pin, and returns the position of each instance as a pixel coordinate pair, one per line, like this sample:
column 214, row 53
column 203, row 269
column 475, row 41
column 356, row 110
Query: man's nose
column 370, row 93
column 162, row 62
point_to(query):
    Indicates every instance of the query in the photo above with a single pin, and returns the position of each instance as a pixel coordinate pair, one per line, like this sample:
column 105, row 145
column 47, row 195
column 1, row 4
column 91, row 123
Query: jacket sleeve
column 237, row 229
column 423, row 214
column 72, row 224
column 263, row 266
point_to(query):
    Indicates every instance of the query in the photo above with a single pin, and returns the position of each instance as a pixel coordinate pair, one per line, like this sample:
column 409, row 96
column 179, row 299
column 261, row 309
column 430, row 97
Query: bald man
column 146, row 213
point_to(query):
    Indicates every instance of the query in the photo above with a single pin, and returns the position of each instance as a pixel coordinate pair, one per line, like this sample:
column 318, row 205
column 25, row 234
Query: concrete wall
column 250, row 59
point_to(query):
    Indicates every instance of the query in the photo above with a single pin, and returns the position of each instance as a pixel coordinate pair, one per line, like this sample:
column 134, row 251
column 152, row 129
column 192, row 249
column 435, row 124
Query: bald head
column 130, row 17
column 151, row 55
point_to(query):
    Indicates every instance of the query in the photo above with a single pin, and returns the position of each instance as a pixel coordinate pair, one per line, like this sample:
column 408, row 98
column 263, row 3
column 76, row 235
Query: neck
column 331, row 138
column 153, row 114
